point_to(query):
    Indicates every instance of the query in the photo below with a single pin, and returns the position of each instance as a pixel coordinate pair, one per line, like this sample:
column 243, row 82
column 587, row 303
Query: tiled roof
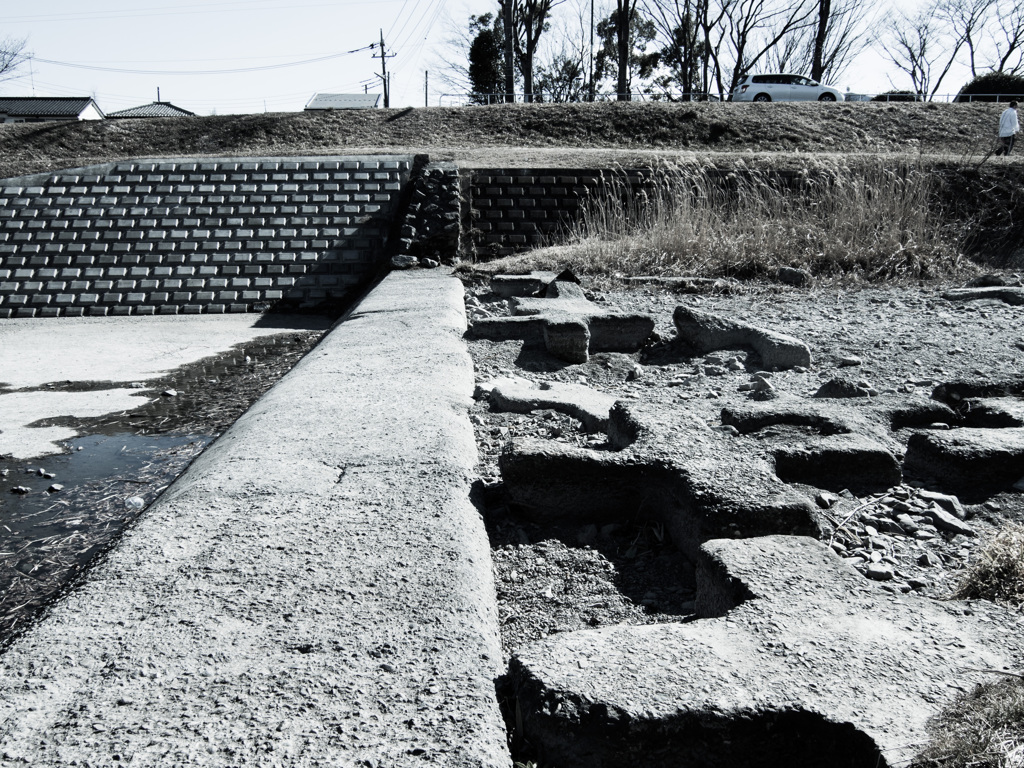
column 62, row 106
column 156, row 109
column 343, row 101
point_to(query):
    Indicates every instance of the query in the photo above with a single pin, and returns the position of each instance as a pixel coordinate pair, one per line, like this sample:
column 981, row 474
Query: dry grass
column 985, row 728
column 997, row 572
column 876, row 220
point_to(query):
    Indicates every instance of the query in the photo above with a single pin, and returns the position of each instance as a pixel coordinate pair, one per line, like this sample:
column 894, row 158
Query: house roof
column 57, row 106
column 156, row 109
column 343, row 101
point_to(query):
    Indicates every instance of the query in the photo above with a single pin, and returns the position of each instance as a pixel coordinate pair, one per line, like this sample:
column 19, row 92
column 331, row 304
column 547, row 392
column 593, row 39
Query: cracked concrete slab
column 662, row 464
column 796, row 660
column 707, row 332
column 315, row 589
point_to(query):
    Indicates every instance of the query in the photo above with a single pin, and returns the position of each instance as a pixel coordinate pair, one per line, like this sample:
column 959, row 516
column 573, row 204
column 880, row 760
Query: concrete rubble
column 570, row 325
column 706, row 332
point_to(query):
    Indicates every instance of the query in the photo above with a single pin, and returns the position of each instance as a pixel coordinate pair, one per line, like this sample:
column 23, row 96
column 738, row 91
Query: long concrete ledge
column 314, row 590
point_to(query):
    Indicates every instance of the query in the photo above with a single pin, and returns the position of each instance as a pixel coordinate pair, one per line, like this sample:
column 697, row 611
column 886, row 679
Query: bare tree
column 561, row 66
column 530, row 22
column 755, row 27
column 965, row 20
column 625, row 14
column 909, row 45
column 926, row 45
column 676, row 23
column 1008, row 41
column 12, row 56
column 840, row 34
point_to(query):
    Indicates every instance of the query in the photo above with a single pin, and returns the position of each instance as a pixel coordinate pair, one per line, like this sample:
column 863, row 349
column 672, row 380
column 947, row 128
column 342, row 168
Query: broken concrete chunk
column 568, row 340
column 1005, row 294
column 532, row 284
column 993, row 412
column 968, row 460
column 946, row 521
column 565, row 308
column 847, row 675
column 949, row 503
column 842, row 387
column 954, row 392
column 707, row 333
column 521, row 396
column 665, row 465
column 857, row 462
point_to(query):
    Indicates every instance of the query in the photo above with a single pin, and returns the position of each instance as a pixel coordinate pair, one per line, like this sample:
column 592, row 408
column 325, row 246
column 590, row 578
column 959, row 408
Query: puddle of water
column 47, row 537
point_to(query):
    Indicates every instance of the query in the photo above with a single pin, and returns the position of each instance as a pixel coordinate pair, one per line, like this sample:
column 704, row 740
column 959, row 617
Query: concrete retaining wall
column 187, row 236
column 511, row 210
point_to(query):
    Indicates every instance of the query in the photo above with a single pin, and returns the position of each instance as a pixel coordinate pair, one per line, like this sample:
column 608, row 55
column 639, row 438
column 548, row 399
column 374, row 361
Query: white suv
column 782, row 88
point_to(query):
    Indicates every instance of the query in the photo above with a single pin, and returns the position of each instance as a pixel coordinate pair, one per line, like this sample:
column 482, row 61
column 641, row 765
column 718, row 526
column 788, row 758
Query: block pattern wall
column 169, row 237
column 511, row 210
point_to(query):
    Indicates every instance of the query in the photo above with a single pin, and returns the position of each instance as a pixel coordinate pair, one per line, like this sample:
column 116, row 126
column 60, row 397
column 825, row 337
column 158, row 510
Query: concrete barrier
column 314, row 590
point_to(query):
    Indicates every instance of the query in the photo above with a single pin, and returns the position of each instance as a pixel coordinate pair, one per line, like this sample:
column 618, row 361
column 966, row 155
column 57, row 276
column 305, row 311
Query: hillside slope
column 535, row 134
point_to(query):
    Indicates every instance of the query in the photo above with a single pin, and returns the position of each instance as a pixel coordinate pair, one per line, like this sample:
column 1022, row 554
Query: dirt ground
column 908, row 339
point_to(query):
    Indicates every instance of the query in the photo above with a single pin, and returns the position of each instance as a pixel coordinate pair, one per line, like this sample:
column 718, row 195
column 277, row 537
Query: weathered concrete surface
column 314, row 590
column 518, row 395
column 707, row 332
column 969, row 461
column 836, row 443
column 36, row 352
column 507, row 286
column 664, row 465
column 798, row 661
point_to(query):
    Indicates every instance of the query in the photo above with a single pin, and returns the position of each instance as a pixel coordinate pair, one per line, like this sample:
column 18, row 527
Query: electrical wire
column 262, row 68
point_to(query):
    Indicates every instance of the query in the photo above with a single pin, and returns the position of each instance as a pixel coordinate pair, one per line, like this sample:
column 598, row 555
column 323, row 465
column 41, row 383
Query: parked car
column 782, row 88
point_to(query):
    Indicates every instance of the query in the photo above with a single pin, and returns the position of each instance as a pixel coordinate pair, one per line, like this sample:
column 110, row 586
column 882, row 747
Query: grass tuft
column 982, row 729
column 985, row 728
column 997, row 571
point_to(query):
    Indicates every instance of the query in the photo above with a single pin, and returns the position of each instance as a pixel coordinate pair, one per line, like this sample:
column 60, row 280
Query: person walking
column 1008, row 128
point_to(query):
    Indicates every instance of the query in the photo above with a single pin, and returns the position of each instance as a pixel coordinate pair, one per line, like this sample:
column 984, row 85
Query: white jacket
column 1008, row 124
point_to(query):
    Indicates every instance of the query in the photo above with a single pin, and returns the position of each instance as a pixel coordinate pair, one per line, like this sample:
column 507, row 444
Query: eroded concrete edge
column 315, row 589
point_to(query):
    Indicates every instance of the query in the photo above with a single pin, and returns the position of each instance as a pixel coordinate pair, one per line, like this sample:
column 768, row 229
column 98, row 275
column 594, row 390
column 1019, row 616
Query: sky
column 243, row 56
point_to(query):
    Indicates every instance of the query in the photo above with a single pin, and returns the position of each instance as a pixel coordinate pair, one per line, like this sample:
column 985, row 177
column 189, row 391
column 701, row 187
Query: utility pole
column 384, row 78
column 426, row 88
column 508, row 22
column 591, row 93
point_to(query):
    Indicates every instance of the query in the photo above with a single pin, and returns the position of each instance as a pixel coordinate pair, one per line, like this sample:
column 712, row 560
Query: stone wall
column 187, row 236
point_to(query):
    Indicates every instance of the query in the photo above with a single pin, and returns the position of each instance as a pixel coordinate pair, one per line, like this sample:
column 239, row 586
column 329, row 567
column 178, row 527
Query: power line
column 262, row 68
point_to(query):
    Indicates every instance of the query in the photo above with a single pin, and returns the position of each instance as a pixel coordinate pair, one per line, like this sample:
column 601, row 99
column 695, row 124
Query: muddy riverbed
column 59, row 512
